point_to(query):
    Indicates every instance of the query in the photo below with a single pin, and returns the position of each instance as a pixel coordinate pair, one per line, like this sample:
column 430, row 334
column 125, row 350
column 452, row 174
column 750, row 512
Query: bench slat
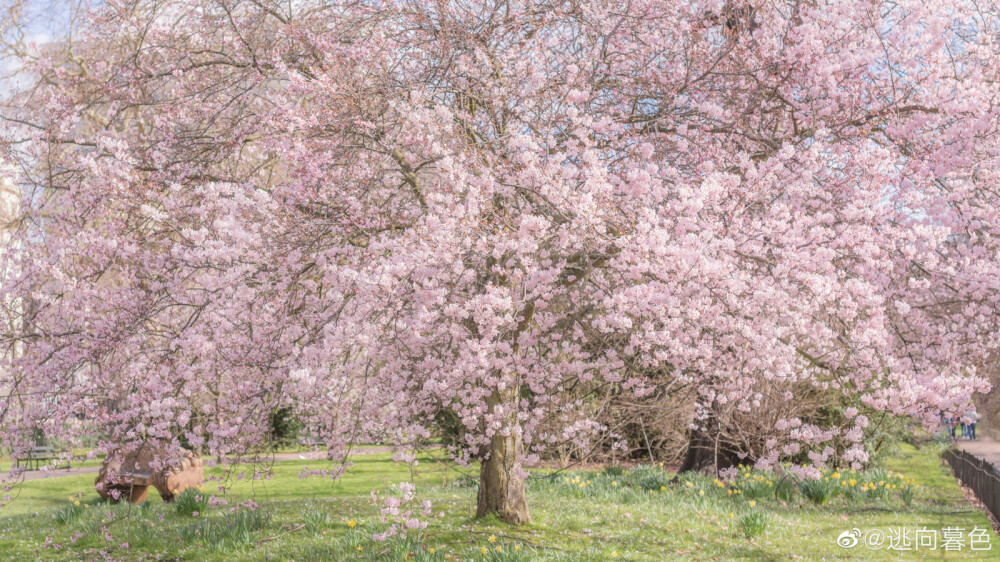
column 37, row 455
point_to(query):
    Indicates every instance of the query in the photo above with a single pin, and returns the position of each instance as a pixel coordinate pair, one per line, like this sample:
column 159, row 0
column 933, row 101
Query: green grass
column 636, row 514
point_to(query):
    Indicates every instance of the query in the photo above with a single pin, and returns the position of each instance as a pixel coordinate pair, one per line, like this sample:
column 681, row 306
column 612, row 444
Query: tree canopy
column 379, row 211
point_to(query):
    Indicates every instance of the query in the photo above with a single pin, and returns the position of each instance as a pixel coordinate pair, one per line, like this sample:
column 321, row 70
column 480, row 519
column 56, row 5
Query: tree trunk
column 707, row 451
column 501, row 476
column 700, row 452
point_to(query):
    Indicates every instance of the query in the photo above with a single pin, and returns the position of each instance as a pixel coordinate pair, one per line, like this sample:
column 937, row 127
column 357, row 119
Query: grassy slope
column 591, row 523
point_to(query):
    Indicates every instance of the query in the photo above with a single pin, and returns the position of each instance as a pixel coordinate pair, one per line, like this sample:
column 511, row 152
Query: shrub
column 402, row 514
column 144, row 508
column 648, row 477
column 316, row 520
column 613, row 470
column 879, row 483
column 69, row 513
column 234, row 530
column 753, row 524
column 143, row 533
column 398, row 546
column 818, row 491
column 754, row 485
column 785, row 490
column 906, row 492
column 358, row 545
column 190, row 501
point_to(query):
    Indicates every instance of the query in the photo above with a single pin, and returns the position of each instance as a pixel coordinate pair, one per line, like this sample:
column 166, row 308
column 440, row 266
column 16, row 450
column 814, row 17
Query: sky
column 43, row 22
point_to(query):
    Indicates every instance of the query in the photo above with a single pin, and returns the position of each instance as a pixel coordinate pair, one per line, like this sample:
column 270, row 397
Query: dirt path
column 983, row 447
column 55, row 473
column 298, row 456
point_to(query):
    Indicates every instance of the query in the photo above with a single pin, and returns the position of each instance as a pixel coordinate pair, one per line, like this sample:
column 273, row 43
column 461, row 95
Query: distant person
column 973, row 418
column 951, row 425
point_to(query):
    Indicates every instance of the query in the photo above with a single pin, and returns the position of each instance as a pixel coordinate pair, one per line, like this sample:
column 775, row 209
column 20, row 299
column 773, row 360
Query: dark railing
column 982, row 477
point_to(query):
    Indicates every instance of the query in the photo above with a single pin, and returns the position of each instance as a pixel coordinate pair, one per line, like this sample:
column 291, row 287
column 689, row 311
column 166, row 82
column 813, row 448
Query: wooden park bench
column 38, row 455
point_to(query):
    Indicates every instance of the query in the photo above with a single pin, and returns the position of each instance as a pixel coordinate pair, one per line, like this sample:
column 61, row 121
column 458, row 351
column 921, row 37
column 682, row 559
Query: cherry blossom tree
column 379, row 211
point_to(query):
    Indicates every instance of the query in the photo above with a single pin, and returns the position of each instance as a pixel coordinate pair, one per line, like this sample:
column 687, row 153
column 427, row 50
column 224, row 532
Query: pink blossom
column 378, row 228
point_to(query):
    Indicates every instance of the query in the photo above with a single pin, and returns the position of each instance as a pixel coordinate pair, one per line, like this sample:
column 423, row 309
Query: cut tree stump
column 170, row 470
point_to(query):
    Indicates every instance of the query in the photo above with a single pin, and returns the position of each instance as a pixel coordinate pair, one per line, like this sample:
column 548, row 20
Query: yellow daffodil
column 492, row 538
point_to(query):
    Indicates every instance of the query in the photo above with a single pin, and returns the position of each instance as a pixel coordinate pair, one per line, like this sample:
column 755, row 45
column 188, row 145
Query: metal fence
column 982, row 477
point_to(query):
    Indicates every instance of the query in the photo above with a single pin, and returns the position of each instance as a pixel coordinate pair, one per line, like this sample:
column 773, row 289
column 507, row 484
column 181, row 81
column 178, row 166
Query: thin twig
column 265, row 539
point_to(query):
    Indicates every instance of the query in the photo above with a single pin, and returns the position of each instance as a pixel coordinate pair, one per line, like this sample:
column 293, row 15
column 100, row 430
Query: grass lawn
column 635, row 515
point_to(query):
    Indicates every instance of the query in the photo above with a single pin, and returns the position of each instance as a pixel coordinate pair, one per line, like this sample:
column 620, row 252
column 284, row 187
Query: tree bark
column 707, row 451
column 501, row 476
